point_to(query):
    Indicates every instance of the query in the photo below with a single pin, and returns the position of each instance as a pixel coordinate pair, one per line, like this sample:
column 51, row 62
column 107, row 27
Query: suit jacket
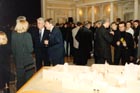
column 38, row 45
column 103, row 39
column 138, row 48
column 84, row 37
column 55, row 46
column 129, row 41
column 136, row 34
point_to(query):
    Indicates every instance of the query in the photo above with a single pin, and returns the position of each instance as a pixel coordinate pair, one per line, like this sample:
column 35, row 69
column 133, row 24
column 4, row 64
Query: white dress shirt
column 41, row 32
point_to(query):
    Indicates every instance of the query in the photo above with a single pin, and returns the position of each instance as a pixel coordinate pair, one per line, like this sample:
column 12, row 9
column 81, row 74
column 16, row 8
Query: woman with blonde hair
column 22, row 48
column 5, row 52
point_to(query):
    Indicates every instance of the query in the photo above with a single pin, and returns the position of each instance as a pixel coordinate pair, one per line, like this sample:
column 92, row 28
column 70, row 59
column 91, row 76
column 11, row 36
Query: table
column 81, row 79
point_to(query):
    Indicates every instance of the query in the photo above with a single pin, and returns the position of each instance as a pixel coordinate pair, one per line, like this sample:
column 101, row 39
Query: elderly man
column 39, row 34
column 103, row 41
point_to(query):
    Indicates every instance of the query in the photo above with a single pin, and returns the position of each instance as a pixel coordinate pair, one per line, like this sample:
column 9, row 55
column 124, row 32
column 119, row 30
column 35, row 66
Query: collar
column 43, row 29
column 51, row 28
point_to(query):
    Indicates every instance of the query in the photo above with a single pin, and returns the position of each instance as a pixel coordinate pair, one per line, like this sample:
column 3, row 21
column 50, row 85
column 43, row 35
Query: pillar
column 77, row 14
column 92, row 15
column 136, row 3
column 43, row 8
column 111, row 11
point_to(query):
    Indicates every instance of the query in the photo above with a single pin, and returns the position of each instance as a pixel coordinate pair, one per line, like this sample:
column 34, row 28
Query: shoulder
column 56, row 28
column 27, row 34
column 128, row 34
column 14, row 34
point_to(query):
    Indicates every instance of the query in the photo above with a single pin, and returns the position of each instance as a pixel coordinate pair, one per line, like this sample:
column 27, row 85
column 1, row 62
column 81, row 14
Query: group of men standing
column 48, row 43
column 101, row 38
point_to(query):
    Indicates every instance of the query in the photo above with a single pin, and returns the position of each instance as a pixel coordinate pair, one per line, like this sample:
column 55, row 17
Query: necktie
column 40, row 35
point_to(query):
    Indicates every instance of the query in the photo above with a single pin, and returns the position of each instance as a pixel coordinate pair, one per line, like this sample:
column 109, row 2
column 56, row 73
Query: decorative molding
column 61, row 2
column 49, row 7
column 96, row 2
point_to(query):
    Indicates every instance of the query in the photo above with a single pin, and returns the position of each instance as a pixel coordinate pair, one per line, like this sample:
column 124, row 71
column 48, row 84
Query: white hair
column 41, row 19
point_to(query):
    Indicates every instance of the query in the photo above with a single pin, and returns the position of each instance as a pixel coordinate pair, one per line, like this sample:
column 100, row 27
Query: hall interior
column 91, row 10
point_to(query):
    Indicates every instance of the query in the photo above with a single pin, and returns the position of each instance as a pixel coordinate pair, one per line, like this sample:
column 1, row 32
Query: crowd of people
column 50, row 43
column 115, row 43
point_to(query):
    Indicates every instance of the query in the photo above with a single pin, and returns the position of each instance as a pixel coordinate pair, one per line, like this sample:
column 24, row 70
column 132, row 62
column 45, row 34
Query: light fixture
column 80, row 12
column 108, row 9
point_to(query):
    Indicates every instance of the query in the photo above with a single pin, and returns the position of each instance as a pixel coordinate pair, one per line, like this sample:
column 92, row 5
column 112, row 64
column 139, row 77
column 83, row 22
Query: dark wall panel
column 10, row 9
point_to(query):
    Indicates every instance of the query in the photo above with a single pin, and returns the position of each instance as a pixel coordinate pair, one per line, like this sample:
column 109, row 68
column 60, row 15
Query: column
column 92, row 14
column 111, row 11
column 74, row 14
column 77, row 14
column 43, row 8
column 120, row 8
column 70, row 12
column 101, row 11
column 136, row 3
column 52, row 14
column 48, row 13
column 86, row 13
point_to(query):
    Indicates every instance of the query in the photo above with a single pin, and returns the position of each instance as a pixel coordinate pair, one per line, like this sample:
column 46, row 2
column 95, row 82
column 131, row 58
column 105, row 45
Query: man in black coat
column 40, row 34
column 102, row 46
column 84, row 37
column 54, row 43
column 124, row 45
column 136, row 37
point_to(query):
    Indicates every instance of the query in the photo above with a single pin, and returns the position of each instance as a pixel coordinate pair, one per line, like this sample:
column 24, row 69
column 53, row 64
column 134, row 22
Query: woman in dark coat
column 4, row 60
column 22, row 48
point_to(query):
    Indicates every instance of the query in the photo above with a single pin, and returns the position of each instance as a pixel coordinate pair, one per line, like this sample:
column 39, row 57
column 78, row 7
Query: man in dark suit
column 124, row 45
column 54, row 43
column 102, row 44
column 84, row 37
column 40, row 34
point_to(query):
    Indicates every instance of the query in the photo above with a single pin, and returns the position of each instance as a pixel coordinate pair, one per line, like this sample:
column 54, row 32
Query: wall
column 139, row 12
column 60, row 10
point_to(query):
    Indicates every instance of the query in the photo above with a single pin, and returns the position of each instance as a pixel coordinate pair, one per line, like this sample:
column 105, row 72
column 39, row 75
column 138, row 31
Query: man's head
column 49, row 23
column 87, row 24
column 40, row 23
column 122, row 26
column 98, row 23
column 106, row 23
column 79, row 24
column 128, row 24
column 113, row 26
column 136, row 23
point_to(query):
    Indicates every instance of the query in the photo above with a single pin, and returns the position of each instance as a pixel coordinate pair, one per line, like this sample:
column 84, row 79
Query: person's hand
column 138, row 60
column 131, row 58
column 118, row 43
column 124, row 44
column 112, row 33
column 46, row 42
